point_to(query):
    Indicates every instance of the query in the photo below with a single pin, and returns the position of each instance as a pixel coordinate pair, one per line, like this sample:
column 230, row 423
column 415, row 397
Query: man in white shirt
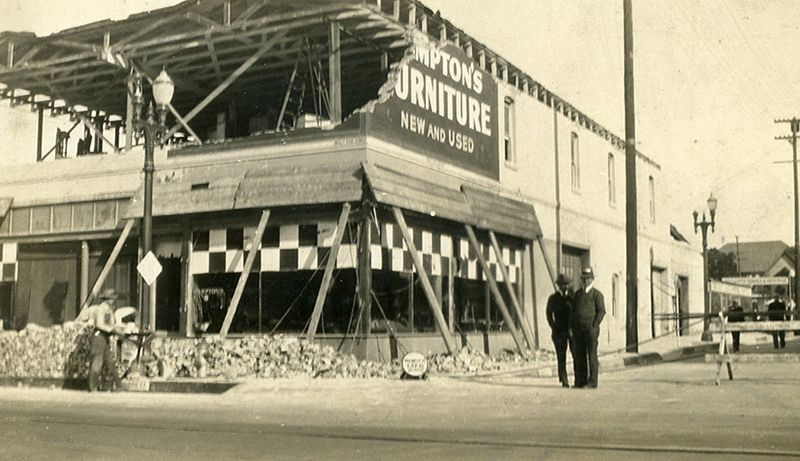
column 101, row 316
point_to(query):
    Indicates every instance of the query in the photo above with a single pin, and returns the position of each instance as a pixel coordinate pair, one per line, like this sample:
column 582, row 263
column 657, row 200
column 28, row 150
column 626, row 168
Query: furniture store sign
column 443, row 105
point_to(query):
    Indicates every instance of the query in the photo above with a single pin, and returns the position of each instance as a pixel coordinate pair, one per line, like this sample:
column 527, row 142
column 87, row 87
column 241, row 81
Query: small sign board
column 149, row 268
column 415, row 364
column 750, row 281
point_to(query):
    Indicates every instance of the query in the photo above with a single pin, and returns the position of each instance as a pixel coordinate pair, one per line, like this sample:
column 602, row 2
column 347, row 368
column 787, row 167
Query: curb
column 139, row 385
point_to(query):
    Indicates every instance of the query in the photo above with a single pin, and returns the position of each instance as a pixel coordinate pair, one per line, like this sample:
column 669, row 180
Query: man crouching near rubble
column 101, row 317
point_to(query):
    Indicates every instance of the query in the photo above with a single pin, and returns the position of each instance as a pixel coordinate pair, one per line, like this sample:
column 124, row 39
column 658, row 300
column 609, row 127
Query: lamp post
column 703, row 225
column 153, row 131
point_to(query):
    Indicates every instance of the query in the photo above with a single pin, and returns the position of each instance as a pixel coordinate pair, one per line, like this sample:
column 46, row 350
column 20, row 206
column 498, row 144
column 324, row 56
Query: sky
column 711, row 77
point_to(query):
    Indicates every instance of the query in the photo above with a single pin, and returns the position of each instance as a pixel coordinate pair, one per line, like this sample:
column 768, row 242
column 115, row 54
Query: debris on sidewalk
column 468, row 361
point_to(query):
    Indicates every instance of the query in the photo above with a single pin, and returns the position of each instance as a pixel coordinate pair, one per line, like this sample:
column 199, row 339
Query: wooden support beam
column 10, row 58
column 251, row 10
column 88, row 124
column 213, row 53
column 412, row 15
column 226, row 13
column 498, row 297
column 523, row 321
column 112, row 258
column 426, row 284
column 231, row 78
column 203, row 21
column 761, row 326
column 328, row 274
column 248, row 265
column 183, row 122
column 547, row 263
column 396, row 10
column 187, row 283
column 129, row 114
column 532, row 273
column 39, row 133
column 84, row 270
column 365, row 268
column 335, row 75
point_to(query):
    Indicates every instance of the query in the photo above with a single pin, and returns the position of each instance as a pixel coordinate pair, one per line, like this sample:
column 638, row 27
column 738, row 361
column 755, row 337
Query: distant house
column 760, row 258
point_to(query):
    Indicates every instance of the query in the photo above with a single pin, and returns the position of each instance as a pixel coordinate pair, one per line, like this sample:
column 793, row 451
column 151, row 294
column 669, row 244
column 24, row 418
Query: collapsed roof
column 236, row 52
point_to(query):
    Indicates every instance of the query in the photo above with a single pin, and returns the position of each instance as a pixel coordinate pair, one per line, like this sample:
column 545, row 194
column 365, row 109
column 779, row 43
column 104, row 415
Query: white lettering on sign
column 440, row 97
column 415, row 364
column 418, row 125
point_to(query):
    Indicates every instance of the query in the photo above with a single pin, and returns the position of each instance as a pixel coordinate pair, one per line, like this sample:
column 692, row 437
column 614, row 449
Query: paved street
column 665, row 411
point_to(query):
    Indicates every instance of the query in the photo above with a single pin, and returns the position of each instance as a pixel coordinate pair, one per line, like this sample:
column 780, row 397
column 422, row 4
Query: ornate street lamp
column 703, row 225
column 153, row 131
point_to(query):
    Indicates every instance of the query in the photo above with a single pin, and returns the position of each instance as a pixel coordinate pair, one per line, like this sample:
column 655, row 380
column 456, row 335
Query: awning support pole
column 426, row 284
column 101, row 279
column 526, row 329
column 547, row 263
column 248, row 265
column 328, row 275
column 498, row 297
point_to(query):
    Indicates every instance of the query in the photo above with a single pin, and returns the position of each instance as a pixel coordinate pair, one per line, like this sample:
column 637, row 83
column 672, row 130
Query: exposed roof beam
column 231, row 78
column 203, row 21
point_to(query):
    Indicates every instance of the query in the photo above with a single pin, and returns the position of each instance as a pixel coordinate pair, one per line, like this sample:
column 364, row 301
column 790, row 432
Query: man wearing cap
column 101, row 316
column 588, row 310
column 559, row 309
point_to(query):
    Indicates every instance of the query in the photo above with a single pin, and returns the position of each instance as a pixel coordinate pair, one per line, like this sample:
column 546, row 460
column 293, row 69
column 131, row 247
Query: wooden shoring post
column 129, row 113
column 84, row 269
column 248, row 265
column 532, row 267
column 426, row 284
column 228, row 81
column 335, row 74
column 523, row 321
column 187, row 283
column 112, row 258
column 547, row 263
column 39, row 133
column 365, row 268
column 495, row 290
column 723, row 349
column 328, row 274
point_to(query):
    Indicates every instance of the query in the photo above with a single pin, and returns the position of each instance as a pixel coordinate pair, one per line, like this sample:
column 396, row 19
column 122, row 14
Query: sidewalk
column 688, row 347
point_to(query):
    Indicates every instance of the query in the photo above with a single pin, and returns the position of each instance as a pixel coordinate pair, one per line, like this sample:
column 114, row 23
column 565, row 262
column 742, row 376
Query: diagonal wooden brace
column 248, row 265
column 498, row 297
column 514, row 301
column 326, row 278
column 426, row 284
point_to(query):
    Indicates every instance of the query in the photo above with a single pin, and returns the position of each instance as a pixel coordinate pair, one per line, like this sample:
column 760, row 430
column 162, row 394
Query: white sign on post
column 149, row 268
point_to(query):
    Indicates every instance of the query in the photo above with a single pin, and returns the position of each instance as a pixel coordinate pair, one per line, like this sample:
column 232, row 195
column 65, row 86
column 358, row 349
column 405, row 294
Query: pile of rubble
column 60, row 351
column 258, row 357
column 470, row 361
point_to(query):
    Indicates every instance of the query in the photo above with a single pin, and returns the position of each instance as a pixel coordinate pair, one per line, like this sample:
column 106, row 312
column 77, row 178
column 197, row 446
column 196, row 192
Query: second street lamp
column 153, row 131
column 703, row 225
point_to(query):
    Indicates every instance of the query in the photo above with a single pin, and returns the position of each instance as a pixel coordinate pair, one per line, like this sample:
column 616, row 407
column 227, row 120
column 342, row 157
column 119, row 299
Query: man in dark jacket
column 736, row 315
column 777, row 313
column 559, row 308
column 588, row 310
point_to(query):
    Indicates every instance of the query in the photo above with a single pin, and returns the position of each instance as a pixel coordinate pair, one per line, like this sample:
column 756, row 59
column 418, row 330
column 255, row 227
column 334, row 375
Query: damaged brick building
column 362, row 173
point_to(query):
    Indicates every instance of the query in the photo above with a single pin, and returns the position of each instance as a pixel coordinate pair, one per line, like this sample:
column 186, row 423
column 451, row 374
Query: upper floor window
column 509, row 130
column 575, row 162
column 652, row 186
column 612, row 179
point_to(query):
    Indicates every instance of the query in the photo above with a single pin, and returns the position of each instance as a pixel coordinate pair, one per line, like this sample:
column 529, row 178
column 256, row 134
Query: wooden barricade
column 725, row 357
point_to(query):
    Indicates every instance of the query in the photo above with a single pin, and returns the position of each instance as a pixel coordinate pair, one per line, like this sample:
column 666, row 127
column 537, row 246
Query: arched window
column 509, row 130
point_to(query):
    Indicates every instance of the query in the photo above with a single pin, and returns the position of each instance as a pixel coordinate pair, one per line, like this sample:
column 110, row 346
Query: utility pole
column 738, row 261
column 795, row 126
column 631, row 220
